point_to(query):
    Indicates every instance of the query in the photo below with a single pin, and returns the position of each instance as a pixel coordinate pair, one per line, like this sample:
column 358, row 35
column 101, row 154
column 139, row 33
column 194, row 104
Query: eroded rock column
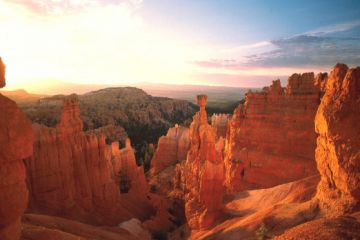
column 203, row 173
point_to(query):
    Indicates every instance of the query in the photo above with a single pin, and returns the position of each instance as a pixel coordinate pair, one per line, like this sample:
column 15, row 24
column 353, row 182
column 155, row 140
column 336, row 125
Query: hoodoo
column 171, row 149
column 77, row 175
column 203, row 173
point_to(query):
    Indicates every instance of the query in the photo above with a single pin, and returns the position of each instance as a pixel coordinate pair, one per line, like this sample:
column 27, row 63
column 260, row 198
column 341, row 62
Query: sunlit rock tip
column 70, row 121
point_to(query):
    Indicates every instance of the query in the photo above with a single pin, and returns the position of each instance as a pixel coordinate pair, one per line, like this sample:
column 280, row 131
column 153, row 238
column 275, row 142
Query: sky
column 244, row 43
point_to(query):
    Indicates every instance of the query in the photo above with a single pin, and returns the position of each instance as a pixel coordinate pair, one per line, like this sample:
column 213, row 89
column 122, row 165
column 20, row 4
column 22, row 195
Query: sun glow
column 102, row 44
column 93, row 42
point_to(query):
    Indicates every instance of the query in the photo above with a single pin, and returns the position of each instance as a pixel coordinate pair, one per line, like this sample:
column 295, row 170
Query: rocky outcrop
column 271, row 138
column 203, row 173
column 321, row 80
column 171, row 149
column 76, row 175
column 219, row 122
column 338, row 144
column 16, row 144
column 130, row 177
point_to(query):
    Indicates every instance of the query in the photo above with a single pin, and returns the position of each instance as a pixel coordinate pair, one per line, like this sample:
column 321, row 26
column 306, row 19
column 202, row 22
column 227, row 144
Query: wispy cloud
column 319, row 49
column 341, row 27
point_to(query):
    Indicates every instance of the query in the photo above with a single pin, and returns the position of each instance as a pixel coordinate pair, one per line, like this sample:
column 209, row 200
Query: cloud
column 318, row 49
column 341, row 27
column 305, row 50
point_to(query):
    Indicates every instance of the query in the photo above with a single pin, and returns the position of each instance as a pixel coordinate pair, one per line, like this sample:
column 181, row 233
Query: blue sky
column 209, row 42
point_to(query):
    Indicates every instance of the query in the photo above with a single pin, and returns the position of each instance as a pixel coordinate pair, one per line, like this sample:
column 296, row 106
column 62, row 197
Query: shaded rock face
column 219, row 123
column 171, row 149
column 16, row 144
column 271, row 138
column 202, row 173
column 338, row 144
column 76, row 175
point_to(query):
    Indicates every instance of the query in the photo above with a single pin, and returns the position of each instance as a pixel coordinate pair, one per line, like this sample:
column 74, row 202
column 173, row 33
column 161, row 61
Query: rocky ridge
column 271, row 138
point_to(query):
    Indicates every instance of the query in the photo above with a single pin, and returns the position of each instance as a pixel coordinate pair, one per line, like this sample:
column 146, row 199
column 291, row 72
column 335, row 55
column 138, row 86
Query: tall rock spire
column 203, row 173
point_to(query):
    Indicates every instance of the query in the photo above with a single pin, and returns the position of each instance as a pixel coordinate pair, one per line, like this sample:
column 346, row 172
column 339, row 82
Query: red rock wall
column 171, row 149
column 271, row 138
column 16, row 144
column 338, row 144
column 75, row 174
column 202, row 173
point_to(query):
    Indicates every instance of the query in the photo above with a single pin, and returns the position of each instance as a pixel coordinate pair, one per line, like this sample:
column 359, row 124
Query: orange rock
column 338, row 144
column 2, row 74
column 171, row 149
column 70, row 121
column 43, row 227
column 343, row 227
column 219, row 122
column 76, row 175
column 203, row 173
column 16, row 140
column 271, row 138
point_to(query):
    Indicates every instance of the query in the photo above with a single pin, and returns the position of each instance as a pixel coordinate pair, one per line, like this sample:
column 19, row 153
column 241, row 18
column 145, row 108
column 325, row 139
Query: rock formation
column 171, row 149
column 76, row 175
column 271, row 138
column 219, row 122
column 203, row 173
column 131, row 177
column 16, row 144
column 338, row 144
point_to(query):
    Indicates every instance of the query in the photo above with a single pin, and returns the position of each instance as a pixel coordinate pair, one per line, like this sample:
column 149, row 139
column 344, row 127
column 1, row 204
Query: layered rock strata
column 203, row 173
column 338, row 144
column 271, row 138
column 76, row 175
column 16, row 144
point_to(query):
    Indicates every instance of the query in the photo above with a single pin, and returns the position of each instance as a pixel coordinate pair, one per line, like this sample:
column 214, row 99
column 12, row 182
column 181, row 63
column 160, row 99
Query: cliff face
column 271, row 138
column 76, row 175
column 171, row 149
column 16, row 144
column 337, row 153
column 202, row 173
